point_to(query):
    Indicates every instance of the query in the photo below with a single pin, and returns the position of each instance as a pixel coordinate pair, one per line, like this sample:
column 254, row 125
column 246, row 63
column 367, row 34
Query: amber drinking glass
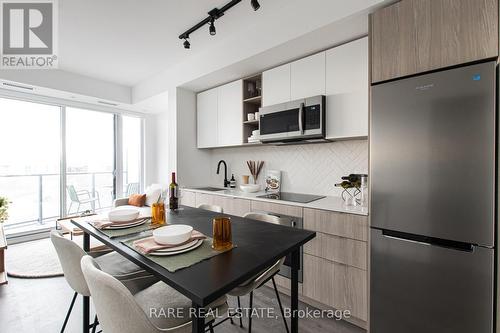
column 158, row 213
column 222, row 237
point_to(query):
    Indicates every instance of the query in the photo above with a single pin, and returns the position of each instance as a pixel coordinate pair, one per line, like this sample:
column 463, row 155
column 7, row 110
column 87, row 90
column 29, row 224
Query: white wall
column 192, row 163
column 150, row 149
column 310, row 168
column 175, row 143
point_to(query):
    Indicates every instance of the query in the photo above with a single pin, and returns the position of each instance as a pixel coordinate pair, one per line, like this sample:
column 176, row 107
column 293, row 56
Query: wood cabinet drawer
column 339, row 249
column 339, row 286
column 187, row 198
column 276, row 208
column 337, row 224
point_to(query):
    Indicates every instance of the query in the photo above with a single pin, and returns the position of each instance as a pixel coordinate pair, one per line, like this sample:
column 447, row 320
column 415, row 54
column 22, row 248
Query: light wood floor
column 40, row 305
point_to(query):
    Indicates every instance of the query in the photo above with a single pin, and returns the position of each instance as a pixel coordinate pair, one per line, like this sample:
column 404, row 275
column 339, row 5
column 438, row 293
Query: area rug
column 33, row 260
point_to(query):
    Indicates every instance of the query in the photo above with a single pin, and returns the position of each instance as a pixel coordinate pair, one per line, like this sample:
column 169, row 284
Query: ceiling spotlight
column 255, row 4
column 187, row 45
column 211, row 29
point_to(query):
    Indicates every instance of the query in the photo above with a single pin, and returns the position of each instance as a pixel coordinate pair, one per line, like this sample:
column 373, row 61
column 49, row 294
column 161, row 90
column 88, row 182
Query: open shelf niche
column 252, row 101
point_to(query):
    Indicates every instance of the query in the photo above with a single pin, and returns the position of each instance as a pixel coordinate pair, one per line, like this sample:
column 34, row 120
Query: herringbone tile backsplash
column 309, row 168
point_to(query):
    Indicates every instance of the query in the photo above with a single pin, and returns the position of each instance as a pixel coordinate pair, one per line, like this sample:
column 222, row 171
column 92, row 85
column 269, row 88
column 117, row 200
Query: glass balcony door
column 90, row 160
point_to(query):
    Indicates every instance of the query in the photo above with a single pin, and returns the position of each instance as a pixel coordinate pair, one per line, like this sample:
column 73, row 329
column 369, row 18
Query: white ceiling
column 132, row 46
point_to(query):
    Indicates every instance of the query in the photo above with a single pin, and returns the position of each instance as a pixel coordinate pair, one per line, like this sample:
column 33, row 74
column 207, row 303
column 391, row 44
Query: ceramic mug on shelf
column 257, row 114
column 250, row 116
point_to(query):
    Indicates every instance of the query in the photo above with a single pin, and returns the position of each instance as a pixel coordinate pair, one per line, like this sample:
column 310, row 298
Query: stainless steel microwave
column 302, row 119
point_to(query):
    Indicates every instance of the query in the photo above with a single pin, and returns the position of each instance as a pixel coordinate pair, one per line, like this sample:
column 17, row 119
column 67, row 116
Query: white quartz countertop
column 330, row 203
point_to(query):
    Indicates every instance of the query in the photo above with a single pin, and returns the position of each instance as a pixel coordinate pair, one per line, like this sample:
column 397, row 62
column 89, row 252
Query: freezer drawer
column 433, row 154
column 418, row 288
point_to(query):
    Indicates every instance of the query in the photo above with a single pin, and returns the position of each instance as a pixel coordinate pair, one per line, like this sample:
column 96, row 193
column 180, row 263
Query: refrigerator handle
column 428, row 241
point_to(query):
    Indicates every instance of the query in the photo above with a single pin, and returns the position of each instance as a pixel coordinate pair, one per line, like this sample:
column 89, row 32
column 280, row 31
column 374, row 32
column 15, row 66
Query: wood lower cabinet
column 334, row 263
column 415, row 36
column 337, row 285
column 187, row 198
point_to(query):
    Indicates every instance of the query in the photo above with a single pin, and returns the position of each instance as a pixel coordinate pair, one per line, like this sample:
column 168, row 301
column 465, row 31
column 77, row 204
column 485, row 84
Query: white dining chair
column 212, row 208
column 70, row 255
column 248, row 287
column 121, row 312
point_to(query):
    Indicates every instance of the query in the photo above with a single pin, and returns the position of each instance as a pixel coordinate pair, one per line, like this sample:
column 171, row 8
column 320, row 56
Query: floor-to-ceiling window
column 30, row 161
column 57, row 160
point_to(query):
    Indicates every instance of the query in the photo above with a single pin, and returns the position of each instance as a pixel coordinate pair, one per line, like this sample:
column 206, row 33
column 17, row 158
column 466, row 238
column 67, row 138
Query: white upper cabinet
column 347, row 90
column 206, row 109
column 308, row 76
column 230, row 114
column 220, row 116
column 276, row 85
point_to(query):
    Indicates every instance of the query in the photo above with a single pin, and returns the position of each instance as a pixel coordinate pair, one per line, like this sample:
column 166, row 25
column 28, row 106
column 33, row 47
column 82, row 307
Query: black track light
column 255, row 4
column 211, row 29
column 187, row 45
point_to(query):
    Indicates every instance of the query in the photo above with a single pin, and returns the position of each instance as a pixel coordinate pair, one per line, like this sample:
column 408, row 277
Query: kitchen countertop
column 330, row 203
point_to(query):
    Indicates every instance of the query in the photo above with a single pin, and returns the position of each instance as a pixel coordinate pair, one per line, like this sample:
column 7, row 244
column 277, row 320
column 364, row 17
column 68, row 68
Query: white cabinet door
column 206, row 110
column 347, row 90
column 276, row 85
column 308, row 76
column 230, row 114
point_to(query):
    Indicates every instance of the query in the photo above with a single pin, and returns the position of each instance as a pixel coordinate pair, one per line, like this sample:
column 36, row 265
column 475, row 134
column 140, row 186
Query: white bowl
column 250, row 188
column 173, row 234
column 123, row 215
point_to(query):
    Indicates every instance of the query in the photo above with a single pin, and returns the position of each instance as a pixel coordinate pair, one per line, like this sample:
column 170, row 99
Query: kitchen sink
column 208, row 188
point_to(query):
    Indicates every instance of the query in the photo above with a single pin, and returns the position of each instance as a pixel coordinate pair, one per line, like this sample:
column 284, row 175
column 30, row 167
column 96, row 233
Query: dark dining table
column 258, row 245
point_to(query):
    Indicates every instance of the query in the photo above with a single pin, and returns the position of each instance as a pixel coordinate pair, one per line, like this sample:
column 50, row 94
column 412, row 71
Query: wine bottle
column 173, row 194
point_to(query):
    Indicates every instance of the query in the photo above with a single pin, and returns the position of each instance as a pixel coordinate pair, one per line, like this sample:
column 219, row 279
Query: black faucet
column 226, row 182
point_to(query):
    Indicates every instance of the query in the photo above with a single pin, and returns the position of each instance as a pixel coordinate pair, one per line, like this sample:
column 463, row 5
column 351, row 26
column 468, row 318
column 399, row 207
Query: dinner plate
column 125, row 226
column 157, row 253
column 180, row 247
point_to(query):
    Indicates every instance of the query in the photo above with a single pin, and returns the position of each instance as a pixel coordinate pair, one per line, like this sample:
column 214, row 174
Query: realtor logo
column 28, row 34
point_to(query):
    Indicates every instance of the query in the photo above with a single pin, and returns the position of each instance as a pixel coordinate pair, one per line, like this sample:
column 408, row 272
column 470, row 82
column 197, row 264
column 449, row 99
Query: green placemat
column 127, row 231
column 175, row 262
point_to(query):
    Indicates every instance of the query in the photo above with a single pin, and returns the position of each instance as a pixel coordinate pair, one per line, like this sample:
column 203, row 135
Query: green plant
column 4, row 206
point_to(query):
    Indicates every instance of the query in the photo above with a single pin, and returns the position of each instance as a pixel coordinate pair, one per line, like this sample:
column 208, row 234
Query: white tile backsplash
column 310, row 168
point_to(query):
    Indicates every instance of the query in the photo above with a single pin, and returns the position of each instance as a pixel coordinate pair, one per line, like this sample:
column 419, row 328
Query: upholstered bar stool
column 212, row 208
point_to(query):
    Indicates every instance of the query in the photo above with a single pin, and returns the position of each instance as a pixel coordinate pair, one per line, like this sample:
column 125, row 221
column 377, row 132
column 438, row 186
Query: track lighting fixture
column 211, row 29
column 255, row 4
column 213, row 15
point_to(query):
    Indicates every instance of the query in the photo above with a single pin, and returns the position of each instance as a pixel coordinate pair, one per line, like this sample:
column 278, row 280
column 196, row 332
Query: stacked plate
column 132, row 224
column 178, row 249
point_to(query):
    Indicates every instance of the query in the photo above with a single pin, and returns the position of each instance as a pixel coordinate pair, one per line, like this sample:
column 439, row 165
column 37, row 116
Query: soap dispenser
column 232, row 182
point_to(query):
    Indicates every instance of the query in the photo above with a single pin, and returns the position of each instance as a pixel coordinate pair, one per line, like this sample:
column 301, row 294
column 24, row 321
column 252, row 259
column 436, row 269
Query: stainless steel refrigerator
column 433, row 209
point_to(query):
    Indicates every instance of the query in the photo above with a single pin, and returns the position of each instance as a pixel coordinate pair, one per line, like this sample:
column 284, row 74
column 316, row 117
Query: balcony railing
column 36, row 198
